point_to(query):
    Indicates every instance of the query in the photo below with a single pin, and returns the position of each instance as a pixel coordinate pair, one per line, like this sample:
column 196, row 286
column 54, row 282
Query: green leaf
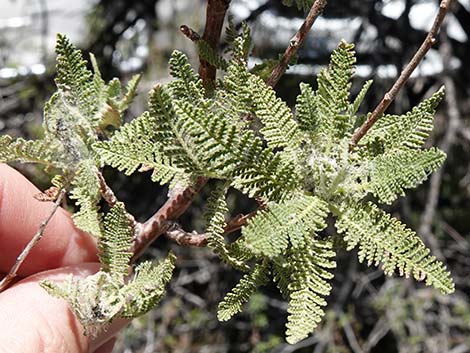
column 75, row 82
column 307, row 114
column 334, row 86
column 215, row 216
column 86, row 192
column 279, row 127
column 115, row 243
column 293, row 221
column 21, row 150
column 354, row 107
column 410, row 130
column 383, row 239
column 148, row 286
column 135, row 146
column 393, row 172
column 308, row 285
column 186, row 84
column 234, row 300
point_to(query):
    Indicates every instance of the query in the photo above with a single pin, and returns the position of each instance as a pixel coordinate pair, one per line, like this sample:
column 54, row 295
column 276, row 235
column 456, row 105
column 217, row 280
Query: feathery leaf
column 383, row 239
column 294, row 220
column 233, row 301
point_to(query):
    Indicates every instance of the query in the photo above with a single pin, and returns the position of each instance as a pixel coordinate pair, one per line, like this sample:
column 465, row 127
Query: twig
column 106, row 191
column 178, row 202
column 181, row 198
column 34, row 240
column 183, row 238
column 429, row 41
column 351, row 337
column 215, row 17
column 190, row 33
column 111, row 200
column 381, row 328
column 239, row 221
column 296, row 42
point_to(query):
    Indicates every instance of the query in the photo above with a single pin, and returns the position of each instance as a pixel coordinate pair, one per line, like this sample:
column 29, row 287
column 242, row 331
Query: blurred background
column 367, row 312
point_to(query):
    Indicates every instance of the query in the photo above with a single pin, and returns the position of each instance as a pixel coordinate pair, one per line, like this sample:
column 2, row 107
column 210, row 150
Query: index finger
column 20, row 217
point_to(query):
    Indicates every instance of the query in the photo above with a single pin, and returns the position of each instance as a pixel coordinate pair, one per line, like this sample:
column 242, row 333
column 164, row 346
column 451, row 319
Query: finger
column 20, row 216
column 107, row 347
column 33, row 321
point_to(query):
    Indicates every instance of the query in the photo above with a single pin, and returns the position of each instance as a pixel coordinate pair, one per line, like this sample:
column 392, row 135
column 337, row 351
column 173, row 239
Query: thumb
column 31, row 320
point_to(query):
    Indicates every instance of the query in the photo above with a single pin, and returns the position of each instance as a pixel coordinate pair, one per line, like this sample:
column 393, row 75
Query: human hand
column 30, row 319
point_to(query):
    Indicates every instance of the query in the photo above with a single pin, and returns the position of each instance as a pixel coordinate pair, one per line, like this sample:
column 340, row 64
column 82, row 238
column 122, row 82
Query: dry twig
column 106, row 191
column 4, row 283
column 190, row 33
column 389, row 97
column 296, row 42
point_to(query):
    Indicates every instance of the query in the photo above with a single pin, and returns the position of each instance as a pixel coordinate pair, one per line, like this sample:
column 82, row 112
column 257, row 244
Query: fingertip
column 33, row 321
column 20, row 217
column 107, row 347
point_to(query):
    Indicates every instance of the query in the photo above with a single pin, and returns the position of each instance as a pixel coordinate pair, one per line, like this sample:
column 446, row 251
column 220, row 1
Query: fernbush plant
column 300, row 165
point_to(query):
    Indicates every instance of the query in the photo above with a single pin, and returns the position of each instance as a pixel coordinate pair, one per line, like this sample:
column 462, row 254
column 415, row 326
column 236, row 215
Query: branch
column 181, row 198
column 215, row 17
column 34, row 240
column 106, row 191
column 190, row 33
column 239, row 221
column 389, row 97
column 183, row 238
column 296, row 42
column 178, row 202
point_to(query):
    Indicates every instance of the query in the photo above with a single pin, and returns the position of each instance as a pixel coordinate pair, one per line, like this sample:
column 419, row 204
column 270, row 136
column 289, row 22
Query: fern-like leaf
column 176, row 143
column 115, row 242
column 383, row 239
column 205, row 143
column 131, row 91
column 135, row 146
column 74, row 80
column 279, row 127
column 234, row 300
column 354, row 106
column 410, row 130
column 215, row 216
column 95, row 300
column 306, row 109
column 186, row 83
column 334, row 85
column 21, row 150
column 148, row 286
column 308, row 285
column 86, row 192
column 393, row 172
column 294, row 221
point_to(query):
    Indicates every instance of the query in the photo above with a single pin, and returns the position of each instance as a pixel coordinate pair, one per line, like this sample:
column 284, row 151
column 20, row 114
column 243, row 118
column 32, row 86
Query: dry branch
column 390, row 96
column 296, row 42
column 4, row 283
column 181, row 199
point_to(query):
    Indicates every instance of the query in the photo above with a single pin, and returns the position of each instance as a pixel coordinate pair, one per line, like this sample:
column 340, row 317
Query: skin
column 31, row 320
